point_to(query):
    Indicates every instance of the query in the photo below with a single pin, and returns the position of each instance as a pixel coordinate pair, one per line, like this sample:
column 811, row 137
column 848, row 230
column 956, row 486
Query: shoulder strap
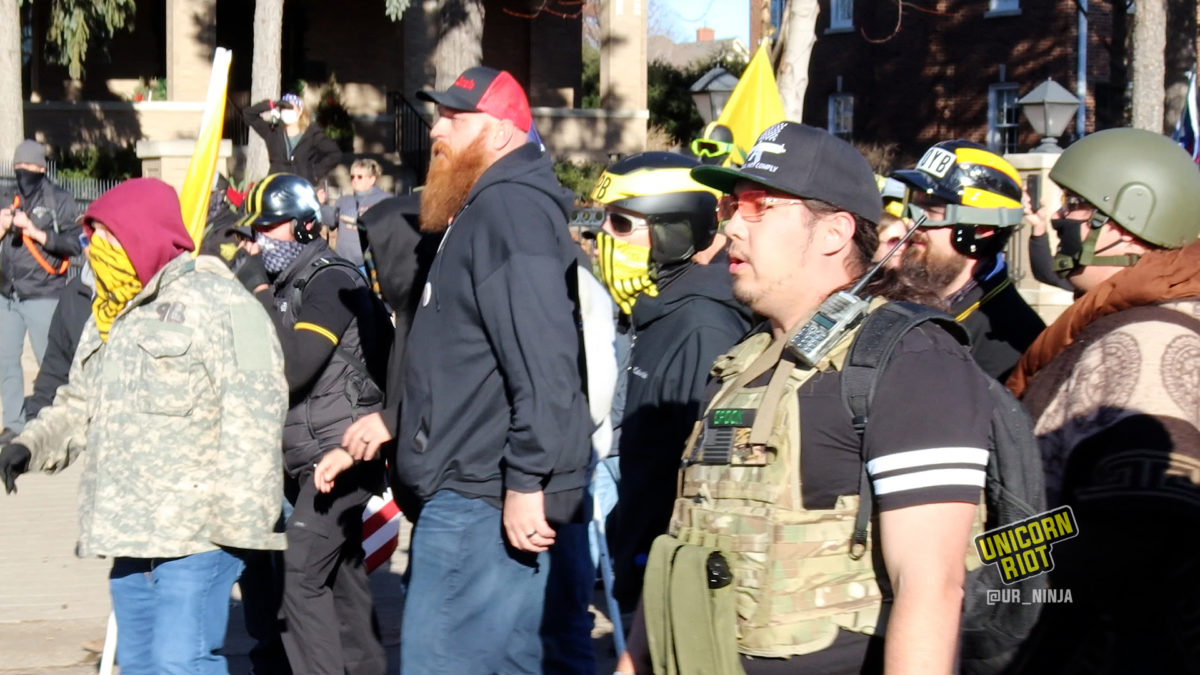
column 320, row 263
column 870, row 352
column 297, row 291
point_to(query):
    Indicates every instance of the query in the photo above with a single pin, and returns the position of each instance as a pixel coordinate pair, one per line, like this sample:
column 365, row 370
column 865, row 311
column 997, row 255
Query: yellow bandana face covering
column 625, row 269
column 116, row 283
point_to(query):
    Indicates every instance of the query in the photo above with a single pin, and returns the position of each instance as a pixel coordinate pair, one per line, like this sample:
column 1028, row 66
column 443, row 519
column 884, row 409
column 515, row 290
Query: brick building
column 955, row 68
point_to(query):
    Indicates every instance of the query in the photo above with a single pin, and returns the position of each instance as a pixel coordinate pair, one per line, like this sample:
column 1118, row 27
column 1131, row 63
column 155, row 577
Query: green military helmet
column 1143, row 181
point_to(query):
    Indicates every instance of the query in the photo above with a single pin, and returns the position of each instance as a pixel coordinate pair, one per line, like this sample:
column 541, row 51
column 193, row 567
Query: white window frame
column 1003, row 7
column 1004, row 117
column 841, row 16
column 839, row 121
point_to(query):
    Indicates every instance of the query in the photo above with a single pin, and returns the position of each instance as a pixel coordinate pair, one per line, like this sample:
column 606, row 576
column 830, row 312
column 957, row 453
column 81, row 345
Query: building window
column 1003, row 117
column 841, row 115
column 1002, row 7
column 841, row 15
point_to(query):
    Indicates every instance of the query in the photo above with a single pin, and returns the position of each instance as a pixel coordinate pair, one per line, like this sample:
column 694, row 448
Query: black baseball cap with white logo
column 806, row 162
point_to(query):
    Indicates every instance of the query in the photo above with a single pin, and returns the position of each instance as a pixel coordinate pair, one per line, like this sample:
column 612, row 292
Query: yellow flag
column 753, row 106
column 197, row 183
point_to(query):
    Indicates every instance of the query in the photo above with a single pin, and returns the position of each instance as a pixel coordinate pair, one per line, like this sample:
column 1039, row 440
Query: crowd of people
column 683, row 390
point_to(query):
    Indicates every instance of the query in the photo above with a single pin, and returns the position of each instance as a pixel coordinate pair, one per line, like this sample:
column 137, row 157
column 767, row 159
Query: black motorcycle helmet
column 281, row 197
column 682, row 214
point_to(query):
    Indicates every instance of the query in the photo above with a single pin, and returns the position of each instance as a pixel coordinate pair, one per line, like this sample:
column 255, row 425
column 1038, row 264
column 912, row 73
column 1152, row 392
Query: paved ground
column 52, row 602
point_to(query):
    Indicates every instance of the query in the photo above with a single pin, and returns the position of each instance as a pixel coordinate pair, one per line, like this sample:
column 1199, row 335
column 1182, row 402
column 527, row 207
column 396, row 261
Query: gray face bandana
column 277, row 255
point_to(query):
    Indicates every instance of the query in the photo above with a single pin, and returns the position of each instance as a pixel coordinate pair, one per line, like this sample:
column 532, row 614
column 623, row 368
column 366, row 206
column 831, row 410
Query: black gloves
column 14, row 461
column 253, row 273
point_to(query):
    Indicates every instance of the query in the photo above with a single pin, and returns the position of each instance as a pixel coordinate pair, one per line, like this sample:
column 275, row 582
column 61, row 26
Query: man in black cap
column 493, row 430
column 38, row 234
column 803, row 211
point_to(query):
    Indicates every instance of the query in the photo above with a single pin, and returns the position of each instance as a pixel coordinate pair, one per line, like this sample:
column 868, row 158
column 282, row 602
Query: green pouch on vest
column 687, row 598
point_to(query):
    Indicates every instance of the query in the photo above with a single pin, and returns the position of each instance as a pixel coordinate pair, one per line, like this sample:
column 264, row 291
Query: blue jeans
column 567, row 623
column 16, row 318
column 604, row 489
column 172, row 612
column 474, row 604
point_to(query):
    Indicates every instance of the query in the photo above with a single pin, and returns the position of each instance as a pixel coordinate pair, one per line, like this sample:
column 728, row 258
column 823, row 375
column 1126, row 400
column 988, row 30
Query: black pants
column 325, row 583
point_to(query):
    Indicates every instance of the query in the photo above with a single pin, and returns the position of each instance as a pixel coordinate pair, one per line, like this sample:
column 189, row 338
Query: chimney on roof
column 704, row 34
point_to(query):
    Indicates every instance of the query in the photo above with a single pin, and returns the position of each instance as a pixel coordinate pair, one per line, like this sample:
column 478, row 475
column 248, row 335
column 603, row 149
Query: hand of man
column 6, row 218
column 21, row 221
column 14, row 461
column 363, row 438
column 1038, row 218
column 525, row 521
column 330, row 467
column 253, row 274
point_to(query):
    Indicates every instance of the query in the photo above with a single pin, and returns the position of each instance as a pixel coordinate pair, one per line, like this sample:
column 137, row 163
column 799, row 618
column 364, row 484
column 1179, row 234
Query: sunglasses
column 625, row 224
column 751, row 204
column 703, row 147
column 1073, row 202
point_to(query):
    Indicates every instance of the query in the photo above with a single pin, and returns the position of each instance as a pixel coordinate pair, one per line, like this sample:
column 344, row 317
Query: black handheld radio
column 838, row 314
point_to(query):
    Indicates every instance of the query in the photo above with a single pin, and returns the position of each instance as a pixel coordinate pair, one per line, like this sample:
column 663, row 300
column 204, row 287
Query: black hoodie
column 677, row 336
column 493, row 396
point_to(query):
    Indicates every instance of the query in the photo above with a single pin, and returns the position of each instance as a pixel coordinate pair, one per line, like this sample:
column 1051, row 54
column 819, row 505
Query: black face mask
column 28, row 181
column 1070, row 245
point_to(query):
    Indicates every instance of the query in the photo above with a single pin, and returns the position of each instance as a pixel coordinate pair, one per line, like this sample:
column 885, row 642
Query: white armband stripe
column 931, row 478
column 913, row 459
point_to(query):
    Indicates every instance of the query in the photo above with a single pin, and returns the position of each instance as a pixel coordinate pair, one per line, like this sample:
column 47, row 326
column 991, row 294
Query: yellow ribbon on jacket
column 625, row 270
column 116, row 282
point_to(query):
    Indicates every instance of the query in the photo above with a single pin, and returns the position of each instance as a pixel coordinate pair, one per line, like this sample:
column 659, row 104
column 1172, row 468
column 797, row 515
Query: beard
column 929, row 269
column 451, row 177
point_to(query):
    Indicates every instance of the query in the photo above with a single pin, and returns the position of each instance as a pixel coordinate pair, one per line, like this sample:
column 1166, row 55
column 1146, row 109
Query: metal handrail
column 412, row 135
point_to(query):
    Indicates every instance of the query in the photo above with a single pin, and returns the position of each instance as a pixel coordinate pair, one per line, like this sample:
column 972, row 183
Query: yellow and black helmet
column 980, row 188
column 658, row 186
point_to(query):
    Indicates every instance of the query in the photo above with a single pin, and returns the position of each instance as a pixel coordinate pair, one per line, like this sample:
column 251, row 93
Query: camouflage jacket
column 181, row 413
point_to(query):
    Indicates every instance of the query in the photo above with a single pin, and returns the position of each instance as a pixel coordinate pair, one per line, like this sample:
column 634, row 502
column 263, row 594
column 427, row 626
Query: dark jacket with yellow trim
column 323, row 408
column 1003, row 325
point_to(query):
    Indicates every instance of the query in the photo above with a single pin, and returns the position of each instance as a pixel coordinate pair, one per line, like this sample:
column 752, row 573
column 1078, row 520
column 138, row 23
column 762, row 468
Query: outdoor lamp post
column 711, row 91
column 1049, row 107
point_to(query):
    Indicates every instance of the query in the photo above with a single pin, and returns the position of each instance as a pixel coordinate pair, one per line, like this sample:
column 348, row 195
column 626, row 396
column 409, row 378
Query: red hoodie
column 145, row 217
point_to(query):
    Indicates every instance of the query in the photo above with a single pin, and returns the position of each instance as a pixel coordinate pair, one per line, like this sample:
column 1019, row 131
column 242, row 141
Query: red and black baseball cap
column 485, row 90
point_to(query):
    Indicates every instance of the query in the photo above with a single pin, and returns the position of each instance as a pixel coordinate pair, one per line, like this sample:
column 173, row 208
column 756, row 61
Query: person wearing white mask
column 294, row 144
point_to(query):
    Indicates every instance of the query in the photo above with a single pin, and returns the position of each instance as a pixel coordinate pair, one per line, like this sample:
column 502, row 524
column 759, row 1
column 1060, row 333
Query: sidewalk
column 52, row 602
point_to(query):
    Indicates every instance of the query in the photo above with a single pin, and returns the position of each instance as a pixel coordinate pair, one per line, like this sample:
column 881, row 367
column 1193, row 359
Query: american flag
column 381, row 529
column 1187, row 130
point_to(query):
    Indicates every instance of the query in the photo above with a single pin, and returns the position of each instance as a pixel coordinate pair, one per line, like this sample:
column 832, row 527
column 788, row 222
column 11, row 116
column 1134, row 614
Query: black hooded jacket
column 314, row 156
column 493, row 392
column 677, row 336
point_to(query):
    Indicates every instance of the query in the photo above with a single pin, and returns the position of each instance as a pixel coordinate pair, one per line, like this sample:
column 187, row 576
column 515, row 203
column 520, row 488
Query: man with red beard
column 494, row 426
column 971, row 199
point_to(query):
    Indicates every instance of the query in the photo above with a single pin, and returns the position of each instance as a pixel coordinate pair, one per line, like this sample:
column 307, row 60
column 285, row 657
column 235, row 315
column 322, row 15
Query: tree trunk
column 1180, row 57
column 459, row 40
column 799, row 36
column 12, row 105
column 1149, row 42
column 265, row 76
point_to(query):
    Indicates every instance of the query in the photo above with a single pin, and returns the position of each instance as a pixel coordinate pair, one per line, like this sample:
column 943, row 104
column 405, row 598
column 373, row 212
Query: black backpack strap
column 297, row 291
column 871, row 350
